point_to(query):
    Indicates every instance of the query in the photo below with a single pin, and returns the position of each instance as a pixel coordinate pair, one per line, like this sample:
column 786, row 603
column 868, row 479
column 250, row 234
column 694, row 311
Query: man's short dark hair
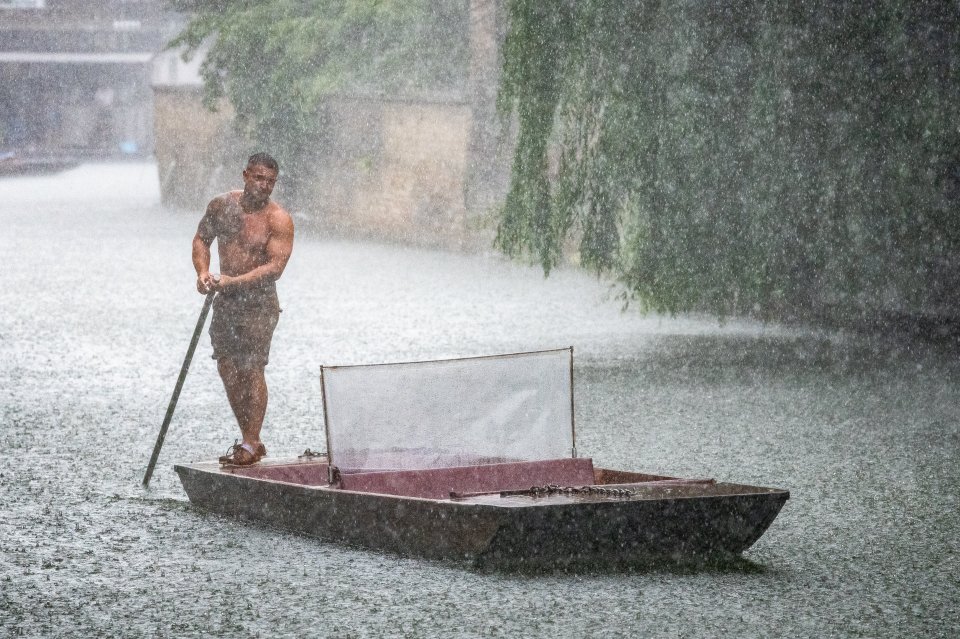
column 263, row 159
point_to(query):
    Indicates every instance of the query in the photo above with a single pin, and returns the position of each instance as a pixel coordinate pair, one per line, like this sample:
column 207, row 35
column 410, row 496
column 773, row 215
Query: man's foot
column 242, row 455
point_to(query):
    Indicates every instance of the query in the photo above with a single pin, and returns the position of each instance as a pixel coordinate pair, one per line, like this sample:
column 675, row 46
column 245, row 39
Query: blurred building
column 75, row 76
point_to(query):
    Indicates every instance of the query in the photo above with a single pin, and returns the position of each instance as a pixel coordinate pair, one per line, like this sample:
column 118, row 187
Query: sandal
column 242, row 455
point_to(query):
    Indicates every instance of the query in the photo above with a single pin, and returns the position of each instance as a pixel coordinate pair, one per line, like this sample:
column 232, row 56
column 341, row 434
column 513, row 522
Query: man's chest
column 246, row 230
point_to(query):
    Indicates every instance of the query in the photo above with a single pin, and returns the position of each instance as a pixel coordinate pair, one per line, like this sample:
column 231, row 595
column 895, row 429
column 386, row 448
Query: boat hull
column 662, row 519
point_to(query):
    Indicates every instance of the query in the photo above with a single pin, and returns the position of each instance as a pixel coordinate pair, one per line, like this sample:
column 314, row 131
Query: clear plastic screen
column 444, row 413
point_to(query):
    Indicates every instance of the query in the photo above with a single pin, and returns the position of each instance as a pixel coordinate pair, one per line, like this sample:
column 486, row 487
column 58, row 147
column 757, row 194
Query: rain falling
column 421, row 235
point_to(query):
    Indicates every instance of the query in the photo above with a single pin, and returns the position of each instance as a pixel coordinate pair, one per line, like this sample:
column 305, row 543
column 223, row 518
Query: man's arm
column 201, row 249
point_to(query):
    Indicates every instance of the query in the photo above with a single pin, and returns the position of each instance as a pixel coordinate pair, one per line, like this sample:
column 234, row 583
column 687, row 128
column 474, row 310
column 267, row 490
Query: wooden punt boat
column 490, row 510
column 650, row 518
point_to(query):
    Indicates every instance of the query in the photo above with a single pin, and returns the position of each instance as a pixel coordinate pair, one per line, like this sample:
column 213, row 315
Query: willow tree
column 276, row 61
column 750, row 157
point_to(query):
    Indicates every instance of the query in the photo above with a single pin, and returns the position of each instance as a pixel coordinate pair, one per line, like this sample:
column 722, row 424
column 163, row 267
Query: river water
column 96, row 309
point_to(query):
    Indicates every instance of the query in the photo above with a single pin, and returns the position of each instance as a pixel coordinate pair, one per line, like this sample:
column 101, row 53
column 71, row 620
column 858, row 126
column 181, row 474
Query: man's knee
column 243, row 371
column 227, row 368
column 240, row 364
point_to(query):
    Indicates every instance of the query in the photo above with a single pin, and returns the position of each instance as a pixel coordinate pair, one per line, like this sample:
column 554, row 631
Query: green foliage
column 277, row 60
column 739, row 157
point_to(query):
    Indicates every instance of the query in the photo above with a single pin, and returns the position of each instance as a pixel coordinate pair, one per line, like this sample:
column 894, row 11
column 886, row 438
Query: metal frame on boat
column 489, row 509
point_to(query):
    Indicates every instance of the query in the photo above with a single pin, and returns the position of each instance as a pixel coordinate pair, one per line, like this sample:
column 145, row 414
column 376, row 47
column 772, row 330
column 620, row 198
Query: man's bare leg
column 247, row 394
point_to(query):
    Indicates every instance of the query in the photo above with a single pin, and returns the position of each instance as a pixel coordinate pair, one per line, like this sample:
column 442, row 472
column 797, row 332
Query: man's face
column 258, row 181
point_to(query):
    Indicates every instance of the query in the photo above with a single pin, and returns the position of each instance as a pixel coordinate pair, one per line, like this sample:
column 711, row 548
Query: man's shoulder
column 224, row 199
column 278, row 214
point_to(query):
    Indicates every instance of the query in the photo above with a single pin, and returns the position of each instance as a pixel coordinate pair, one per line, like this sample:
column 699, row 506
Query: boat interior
column 498, row 426
column 444, row 483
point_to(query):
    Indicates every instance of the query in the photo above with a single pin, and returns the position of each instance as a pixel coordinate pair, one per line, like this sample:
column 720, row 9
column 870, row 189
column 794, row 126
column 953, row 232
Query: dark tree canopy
column 742, row 157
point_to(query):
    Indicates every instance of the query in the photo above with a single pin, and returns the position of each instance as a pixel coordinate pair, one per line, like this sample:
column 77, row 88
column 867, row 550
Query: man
column 254, row 240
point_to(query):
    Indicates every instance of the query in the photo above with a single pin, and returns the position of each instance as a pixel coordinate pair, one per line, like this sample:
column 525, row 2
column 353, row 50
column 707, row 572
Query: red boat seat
column 438, row 483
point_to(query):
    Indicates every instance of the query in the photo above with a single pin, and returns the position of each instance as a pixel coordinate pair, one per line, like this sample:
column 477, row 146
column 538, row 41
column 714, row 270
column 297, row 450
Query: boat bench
column 305, row 474
column 438, row 483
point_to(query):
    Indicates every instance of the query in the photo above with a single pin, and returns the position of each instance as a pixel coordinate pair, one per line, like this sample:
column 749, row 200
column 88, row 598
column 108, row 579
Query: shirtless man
column 254, row 240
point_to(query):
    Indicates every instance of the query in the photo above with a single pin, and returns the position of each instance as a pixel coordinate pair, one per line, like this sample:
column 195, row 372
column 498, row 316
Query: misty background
column 770, row 190
column 744, row 159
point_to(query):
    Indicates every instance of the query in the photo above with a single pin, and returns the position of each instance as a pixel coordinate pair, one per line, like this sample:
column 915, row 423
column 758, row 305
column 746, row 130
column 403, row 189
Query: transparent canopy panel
column 457, row 412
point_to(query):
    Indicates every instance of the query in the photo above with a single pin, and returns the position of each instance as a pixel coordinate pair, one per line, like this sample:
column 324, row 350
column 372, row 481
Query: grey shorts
column 242, row 327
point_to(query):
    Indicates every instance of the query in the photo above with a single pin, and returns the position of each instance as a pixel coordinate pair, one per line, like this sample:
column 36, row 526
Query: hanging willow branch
column 738, row 157
column 539, row 35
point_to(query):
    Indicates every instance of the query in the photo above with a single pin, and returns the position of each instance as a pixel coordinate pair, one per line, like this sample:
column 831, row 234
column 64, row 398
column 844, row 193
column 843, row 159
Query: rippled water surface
column 96, row 309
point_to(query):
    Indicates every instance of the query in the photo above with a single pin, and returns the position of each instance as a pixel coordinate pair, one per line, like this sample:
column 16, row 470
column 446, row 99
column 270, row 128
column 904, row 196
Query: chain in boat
column 554, row 489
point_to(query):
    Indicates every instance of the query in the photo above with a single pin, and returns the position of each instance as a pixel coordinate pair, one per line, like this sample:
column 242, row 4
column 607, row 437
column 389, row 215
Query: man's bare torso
column 243, row 235
column 254, row 236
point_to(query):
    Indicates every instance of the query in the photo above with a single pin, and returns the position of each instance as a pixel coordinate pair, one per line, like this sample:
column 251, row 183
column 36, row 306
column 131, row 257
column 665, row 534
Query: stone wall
column 394, row 170
column 195, row 148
